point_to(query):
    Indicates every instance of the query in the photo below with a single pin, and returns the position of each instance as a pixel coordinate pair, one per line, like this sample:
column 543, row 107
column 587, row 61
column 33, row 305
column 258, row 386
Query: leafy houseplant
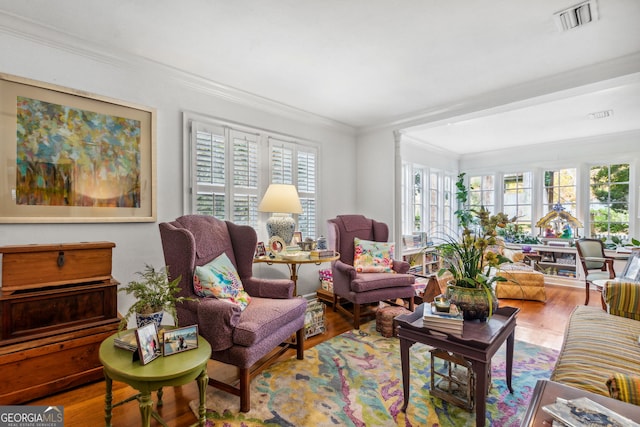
column 154, row 293
column 470, row 258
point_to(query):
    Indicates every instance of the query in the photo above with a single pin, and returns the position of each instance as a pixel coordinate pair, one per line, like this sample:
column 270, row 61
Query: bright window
column 228, row 179
column 517, row 199
column 427, row 200
column 482, row 192
column 560, row 190
column 609, row 201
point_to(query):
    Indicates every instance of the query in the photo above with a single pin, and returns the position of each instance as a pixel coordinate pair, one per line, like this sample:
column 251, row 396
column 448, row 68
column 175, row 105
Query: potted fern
column 154, row 295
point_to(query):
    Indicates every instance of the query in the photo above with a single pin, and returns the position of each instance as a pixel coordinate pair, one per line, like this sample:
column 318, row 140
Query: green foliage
column 463, row 214
column 153, row 292
column 511, row 234
column 469, row 257
column 610, row 186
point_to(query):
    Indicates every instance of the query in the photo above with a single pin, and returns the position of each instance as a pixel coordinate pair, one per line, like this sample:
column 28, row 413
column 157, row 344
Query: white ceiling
column 364, row 63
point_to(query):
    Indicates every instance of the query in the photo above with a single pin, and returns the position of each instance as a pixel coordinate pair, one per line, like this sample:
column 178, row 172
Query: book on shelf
column 126, row 341
column 585, row 412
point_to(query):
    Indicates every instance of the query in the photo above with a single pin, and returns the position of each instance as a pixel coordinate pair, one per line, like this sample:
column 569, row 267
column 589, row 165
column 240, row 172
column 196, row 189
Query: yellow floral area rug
column 355, row 379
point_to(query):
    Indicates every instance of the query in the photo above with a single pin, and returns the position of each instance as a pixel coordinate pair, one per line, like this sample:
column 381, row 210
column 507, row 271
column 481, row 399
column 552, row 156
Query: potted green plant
column 154, row 295
column 470, row 259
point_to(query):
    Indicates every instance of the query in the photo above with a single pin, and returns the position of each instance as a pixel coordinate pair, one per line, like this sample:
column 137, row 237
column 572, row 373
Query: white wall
column 52, row 59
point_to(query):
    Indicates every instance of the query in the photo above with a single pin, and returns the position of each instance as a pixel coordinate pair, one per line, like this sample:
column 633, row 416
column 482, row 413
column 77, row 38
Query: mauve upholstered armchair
column 239, row 338
column 364, row 288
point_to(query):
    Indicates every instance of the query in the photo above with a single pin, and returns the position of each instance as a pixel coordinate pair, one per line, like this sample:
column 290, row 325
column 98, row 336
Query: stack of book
column 320, row 253
column 126, row 341
column 585, row 412
column 450, row 322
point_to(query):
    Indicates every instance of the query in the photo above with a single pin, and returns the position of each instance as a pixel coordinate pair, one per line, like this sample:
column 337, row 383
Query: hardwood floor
column 538, row 323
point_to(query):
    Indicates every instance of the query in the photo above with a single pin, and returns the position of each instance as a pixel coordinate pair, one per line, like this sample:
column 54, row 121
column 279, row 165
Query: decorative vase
column 143, row 319
column 472, row 302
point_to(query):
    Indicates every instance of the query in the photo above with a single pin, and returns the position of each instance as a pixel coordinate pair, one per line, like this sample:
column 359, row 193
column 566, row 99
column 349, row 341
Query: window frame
column 264, row 139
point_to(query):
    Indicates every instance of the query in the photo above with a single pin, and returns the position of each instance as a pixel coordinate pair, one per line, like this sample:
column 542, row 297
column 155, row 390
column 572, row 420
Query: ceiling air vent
column 600, row 114
column 577, row 15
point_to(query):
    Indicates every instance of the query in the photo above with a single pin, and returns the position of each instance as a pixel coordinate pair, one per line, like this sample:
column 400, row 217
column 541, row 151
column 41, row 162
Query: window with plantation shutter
column 293, row 163
column 210, row 171
column 232, row 166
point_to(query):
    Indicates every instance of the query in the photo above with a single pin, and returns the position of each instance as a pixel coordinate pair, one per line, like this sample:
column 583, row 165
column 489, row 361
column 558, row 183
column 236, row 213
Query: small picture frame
column 297, row 238
column 276, row 245
column 631, row 270
column 179, row 340
column 260, row 250
column 148, row 346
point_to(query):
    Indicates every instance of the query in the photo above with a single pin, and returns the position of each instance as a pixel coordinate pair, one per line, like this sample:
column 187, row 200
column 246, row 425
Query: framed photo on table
column 69, row 156
column 148, row 346
column 297, row 238
column 631, row 270
column 179, row 340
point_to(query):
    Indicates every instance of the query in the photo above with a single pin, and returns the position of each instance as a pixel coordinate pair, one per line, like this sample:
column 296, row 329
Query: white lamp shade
column 281, row 198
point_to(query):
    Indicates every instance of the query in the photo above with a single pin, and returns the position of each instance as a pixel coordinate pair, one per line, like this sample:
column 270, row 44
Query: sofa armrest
column 343, row 274
column 401, row 267
column 269, row 288
column 622, row 298
column 217, row 319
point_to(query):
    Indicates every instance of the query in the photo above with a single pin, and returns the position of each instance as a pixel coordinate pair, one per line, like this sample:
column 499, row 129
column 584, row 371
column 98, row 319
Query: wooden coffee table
column 478, row 344
column 546, row 392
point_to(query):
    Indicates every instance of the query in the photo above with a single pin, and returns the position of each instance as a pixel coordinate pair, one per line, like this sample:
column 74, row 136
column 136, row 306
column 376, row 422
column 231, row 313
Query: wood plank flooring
column 538, row 323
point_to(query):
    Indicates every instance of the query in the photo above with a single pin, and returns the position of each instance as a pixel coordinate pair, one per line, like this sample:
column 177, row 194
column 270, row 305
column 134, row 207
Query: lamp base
column 281, row 225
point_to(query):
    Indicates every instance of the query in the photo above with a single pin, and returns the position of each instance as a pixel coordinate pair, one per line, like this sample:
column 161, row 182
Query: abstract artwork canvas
column 73, row 157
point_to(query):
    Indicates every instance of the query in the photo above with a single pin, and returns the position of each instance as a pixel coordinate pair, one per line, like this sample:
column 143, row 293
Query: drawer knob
column 60, row 258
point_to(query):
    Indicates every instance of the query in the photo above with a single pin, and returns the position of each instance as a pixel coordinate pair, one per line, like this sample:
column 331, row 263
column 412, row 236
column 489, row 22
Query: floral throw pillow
column 373, row 257
column 220, row 279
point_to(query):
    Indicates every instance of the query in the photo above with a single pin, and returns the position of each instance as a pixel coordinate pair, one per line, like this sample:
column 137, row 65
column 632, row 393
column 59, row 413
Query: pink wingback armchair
column 239, row 338
column 364, row 288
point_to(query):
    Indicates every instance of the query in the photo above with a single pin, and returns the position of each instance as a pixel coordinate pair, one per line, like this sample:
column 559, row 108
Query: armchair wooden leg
column 300, row 343
column 245, row 390
column 412, row 304
column 335, row 302
column 586, row 300
column 356, row 316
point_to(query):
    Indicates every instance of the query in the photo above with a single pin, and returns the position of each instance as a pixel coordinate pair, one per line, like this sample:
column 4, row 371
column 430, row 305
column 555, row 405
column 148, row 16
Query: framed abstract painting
column 68, row 156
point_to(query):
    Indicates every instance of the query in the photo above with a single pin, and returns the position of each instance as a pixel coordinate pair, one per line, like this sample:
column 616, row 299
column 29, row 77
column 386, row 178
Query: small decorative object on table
column 148, row 346
column 442, row 304
column 154, row 294
column 179, row 340
column 276, row 246
column 321, row 244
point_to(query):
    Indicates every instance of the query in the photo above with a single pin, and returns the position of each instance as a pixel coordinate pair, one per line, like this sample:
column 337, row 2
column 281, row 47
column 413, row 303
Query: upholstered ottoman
column 385, row 323
column 522, row 283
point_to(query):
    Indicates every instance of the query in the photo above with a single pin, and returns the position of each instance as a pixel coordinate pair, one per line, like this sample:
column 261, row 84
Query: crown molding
column 41, row 34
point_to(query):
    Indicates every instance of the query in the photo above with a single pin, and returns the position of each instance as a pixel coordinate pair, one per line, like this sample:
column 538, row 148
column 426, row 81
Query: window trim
column 264, row 169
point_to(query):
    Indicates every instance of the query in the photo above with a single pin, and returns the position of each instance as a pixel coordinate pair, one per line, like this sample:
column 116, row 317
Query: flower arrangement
column 470, row 257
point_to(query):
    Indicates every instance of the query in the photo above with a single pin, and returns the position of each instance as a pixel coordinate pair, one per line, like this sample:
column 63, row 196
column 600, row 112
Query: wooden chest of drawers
column 57, row 304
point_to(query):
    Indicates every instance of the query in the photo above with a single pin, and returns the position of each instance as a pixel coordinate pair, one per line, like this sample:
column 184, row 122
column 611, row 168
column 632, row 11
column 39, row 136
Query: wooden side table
column 294, row 263
column 478, row 344
column 173, row 370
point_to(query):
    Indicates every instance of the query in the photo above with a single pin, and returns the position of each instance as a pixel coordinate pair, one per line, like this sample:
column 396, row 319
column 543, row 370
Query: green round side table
column 165, row 371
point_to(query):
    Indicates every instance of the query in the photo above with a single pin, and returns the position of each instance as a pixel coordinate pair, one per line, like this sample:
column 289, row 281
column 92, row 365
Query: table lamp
column 281, row 200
